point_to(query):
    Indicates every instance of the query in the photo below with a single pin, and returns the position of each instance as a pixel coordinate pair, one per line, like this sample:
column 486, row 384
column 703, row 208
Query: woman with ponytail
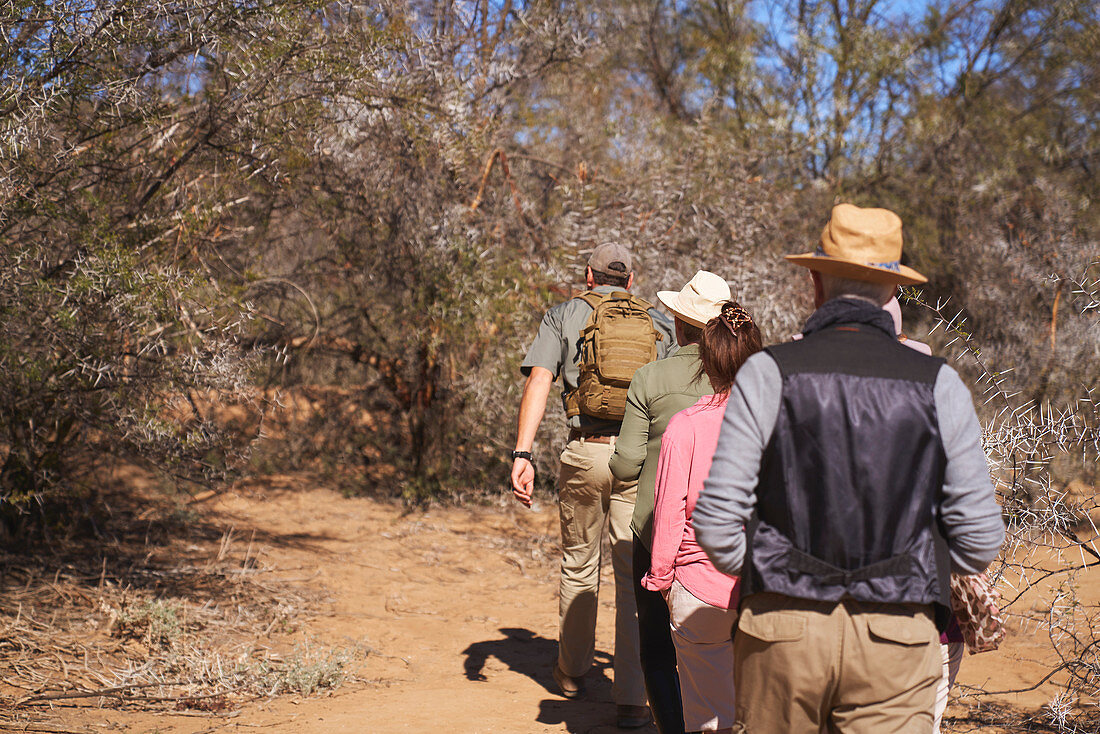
column 702, row 601
column 659, row 391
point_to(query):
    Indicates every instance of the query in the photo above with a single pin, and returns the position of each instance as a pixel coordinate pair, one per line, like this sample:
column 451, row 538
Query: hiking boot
column 570, row 687
column 632, row 717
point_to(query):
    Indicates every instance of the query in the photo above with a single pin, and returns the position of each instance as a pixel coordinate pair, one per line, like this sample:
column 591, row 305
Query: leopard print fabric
column 975, row 602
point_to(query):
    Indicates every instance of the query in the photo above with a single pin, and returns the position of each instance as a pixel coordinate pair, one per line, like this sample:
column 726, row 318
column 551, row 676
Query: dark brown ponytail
column 728, row 340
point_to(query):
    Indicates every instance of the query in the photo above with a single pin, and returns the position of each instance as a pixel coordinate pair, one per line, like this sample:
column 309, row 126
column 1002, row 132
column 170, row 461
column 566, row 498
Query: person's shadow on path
column 527, row 653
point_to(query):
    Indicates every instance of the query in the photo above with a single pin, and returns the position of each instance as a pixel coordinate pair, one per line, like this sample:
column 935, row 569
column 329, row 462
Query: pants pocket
column 577, row 480
column 901, row 629
column 772, row 626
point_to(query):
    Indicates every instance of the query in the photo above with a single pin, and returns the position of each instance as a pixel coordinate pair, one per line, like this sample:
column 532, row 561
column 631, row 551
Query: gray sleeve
column 969, row 511
column 666, row 346
column 546, row 350
column 729, row 493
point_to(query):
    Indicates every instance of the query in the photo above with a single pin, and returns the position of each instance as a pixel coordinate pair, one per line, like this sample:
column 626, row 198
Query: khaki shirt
column 556, row 347
column 658, row 391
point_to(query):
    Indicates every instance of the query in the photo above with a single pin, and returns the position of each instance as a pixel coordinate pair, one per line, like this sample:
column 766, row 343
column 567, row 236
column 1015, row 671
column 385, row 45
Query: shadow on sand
column 529, row 654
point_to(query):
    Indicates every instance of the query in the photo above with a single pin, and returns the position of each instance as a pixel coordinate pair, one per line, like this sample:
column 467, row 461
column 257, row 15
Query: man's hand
column 523, row 480
column 531, row 408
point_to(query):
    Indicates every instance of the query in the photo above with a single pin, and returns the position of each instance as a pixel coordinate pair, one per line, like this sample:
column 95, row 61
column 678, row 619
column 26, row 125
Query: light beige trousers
column 704, row 659
column 588, row 496
column 952, row 655
column 805, row 667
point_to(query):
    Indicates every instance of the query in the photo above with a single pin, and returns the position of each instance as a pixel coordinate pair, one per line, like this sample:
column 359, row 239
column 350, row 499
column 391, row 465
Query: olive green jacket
column 658, row 391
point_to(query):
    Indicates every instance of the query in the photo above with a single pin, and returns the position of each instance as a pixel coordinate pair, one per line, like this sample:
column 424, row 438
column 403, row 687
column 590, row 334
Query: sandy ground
column 453, row 613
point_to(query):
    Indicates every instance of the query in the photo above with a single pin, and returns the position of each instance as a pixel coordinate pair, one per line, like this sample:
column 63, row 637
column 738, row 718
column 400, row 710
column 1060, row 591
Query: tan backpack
column 618, row 339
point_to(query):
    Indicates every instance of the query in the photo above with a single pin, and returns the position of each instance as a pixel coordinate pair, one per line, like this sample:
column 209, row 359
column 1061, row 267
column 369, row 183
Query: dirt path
column 456, row 610
column 450, row 617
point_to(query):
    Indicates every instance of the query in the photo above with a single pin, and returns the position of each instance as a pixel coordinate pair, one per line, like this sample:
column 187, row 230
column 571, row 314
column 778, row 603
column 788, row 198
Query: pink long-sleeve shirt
column 687, row 448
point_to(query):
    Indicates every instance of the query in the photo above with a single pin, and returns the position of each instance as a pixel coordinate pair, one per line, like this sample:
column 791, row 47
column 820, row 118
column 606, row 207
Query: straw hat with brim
column 861, row 244
column 700, row 300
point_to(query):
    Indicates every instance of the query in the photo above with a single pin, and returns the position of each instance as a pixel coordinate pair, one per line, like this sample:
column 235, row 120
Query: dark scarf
column 844, row 310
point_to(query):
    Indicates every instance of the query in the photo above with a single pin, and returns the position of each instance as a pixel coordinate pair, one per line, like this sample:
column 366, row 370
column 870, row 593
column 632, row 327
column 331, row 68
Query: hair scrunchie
column 734, row 316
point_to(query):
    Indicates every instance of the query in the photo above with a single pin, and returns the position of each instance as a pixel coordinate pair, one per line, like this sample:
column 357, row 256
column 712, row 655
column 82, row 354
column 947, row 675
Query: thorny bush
column 1032, row 447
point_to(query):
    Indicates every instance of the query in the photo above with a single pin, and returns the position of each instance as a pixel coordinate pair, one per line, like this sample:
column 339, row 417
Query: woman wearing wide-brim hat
column 658, row 391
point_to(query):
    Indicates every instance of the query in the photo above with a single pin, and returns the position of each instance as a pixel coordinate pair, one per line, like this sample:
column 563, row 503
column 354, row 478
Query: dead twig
column 102, row 692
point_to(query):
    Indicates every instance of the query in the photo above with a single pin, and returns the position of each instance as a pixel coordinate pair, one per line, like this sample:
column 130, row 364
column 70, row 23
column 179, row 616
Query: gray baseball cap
column 609, row 253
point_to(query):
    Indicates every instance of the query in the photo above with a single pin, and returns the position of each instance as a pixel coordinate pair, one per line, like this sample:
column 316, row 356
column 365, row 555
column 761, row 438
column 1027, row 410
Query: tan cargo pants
column 588, row 495
column 805, row 667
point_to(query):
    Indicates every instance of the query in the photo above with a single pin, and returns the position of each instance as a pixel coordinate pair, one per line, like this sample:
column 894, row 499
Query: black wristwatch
column 523, row 455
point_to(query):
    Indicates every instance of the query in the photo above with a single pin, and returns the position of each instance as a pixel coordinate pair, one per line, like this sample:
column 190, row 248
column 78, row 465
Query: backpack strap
column 572, row 398
column 639, row 302
column 592, row 298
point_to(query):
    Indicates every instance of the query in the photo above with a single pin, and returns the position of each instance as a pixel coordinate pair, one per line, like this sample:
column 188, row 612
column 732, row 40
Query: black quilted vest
column 846, row 504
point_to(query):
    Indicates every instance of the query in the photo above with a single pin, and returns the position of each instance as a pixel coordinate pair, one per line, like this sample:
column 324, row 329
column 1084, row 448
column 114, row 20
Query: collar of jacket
column 690, row 350
column 844, row 310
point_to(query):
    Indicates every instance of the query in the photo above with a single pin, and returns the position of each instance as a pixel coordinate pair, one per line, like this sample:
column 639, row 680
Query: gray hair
column 834, row 286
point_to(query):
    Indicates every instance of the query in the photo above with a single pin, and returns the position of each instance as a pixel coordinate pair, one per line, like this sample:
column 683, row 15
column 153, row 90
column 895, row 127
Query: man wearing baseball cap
column 848, row 482
column 589, row 494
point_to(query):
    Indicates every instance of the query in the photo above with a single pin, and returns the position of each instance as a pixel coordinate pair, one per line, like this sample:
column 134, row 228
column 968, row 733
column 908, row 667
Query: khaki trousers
column 588, row 496
column 803, row 666
column 704, row 658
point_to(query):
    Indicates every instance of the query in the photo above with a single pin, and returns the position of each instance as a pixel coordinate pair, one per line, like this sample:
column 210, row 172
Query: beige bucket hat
column 700, row 300
column 862, row 244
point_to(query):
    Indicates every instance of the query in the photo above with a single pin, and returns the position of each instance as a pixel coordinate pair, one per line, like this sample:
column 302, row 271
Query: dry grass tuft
column 156, row 628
